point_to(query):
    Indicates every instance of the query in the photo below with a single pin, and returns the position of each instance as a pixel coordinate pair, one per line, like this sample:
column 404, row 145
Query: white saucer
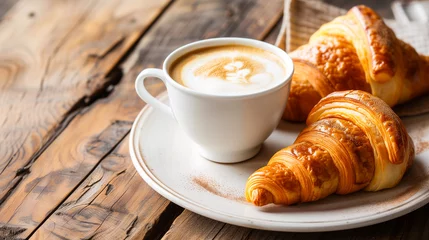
column 167, row 160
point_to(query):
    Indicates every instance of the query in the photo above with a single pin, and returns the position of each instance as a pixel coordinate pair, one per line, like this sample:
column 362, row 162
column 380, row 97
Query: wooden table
column 67, row 102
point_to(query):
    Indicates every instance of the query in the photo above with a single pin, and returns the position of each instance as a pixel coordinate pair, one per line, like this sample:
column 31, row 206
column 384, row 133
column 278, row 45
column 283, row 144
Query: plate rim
column 283, row 226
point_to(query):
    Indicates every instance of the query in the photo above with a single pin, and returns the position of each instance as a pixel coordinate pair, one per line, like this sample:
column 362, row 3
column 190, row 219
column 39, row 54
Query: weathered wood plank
column 54, row 55
column 131, row 206
column 273, row 34
column 72, row 156
column 60, row 168
column 108, row 205
column 44, row 188
column 193, row 226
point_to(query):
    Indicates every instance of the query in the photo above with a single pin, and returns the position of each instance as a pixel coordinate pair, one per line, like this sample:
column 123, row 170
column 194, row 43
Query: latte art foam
column 228, row 70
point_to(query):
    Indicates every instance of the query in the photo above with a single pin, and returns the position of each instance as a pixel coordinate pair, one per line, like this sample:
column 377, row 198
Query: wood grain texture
column 62, row 166
column 43, row 184
column 271, row 37
column 108, row 205
column 54, row 55
column 130, row 208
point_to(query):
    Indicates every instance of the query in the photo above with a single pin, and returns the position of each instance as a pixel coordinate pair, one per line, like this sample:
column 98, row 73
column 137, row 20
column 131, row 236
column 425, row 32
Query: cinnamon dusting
column 419, row 183
column 422, row 146
column 418, row 134
column 213, row 187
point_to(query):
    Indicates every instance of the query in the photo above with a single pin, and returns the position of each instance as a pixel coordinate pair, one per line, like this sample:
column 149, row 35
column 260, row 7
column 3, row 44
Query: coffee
column 228, row 70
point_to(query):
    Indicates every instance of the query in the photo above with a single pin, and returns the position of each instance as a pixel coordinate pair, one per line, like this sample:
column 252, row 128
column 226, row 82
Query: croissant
column 353, row 141
column 356, row 51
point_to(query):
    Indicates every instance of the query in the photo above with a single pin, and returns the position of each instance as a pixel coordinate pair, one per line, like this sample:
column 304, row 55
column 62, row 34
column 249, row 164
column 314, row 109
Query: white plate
column 167, row 161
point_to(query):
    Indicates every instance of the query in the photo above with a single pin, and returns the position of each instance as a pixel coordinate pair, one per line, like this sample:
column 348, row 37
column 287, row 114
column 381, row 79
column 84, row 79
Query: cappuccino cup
column 226, row 94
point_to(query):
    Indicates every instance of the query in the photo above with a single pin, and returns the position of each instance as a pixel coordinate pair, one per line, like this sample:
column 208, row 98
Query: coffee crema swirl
column 238, row 69
column 228, row 70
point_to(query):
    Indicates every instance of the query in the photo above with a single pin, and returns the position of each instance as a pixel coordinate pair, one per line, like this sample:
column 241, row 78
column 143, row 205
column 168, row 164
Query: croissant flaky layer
column 355, row 51
column 353, row 141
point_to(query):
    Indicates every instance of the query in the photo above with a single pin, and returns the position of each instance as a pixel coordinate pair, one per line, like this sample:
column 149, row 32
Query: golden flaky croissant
column 355, row 51
column 353, row 141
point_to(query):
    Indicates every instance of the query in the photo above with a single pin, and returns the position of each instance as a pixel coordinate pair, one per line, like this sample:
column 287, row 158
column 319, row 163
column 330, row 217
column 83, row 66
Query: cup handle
column 145, row 95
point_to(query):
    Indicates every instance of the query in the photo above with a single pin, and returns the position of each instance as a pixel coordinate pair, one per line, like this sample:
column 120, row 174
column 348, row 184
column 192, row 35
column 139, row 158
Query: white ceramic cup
column 227, row 129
